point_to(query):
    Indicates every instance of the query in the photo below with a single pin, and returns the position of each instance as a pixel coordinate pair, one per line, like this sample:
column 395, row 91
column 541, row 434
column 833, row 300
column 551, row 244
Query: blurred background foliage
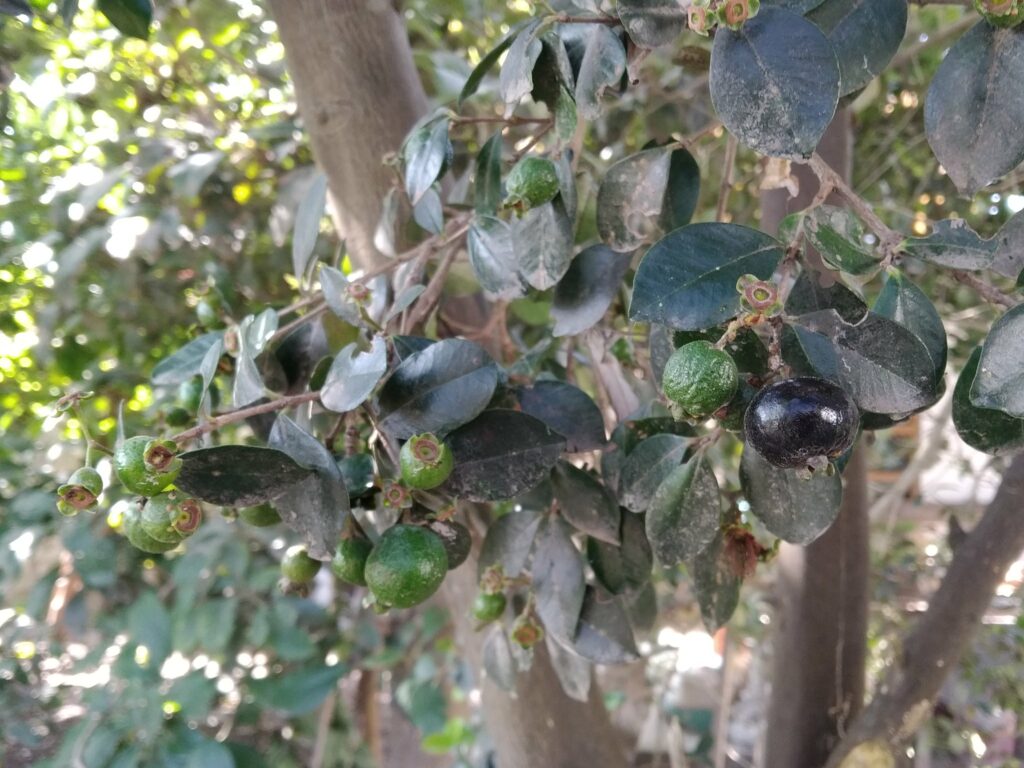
column 148, row 190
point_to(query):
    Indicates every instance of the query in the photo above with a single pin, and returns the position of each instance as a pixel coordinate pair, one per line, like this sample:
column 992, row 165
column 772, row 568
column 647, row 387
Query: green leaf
column 15, row 8
column 130, row 17
column 238, row 475
column 588, row 288
column 385, row 236
column 486, row 64
column 903, row 302
column 794, row 509
column 210, row 754
column 296, row 691
column 509, row 541
column 809, row 295
column 424, row 702
column 428, row 213
column 650, row 23
column 574, row 672
column 194, row 694
column 499, row 664
column 149, row 624
column 403, row 301
column 626, row 567
column 437, row 389
column 487, row 195
column 839, row 237
column 315, row 507
column 558, row 584
column 775, row 83
column 984, row 429
column 68, row 11
column 424, row 153
column 953, row 244
column 585, row 502
column 500, row 454
column 248, row 384
column 307, row 224
column 999, row 383
column 716, row 586
column 516, row 78
column 353, row 376
column 684, row 514
column 186, row 362
column 493, row 258
column 604, row 634
column 797, row 6
column 975, row 107
column 357, row 471
column 335, row 288
column 647, row 466
column 602, row 67
column 543, row 240
column 566, row 409
column 1009, row 253
column 687, row 280
column 645, row 195
column 865, row 35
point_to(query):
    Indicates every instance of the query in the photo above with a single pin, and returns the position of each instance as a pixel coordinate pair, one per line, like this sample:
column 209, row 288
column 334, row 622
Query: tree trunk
column 359, row 93
column 821, row 622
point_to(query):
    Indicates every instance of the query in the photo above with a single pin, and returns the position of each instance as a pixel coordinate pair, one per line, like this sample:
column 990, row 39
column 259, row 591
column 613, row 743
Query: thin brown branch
column 940, row 37
column 565, row 18
column 513, row 120
column 828, row 176
column 728, row 173
column 216, row 422
column 988, row 292
column 287, row 328
column 432, row 295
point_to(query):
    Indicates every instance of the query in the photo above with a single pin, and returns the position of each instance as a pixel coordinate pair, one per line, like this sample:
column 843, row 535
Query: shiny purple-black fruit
column 794, row 421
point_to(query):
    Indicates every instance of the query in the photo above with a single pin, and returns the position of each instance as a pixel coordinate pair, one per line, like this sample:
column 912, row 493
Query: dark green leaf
column 437, row 389
column 499, row 665
column 952, row 243
column 573, row 671
column 602, row 67
column 353, row 376
column 424, row 153
column 316, row 506
column 296, row 691
column 604, row 634
column 149, row 624
column 683, row 191
column 428, row 213
column 586, row 291
column 984, row 429
column 1009, row 253
column 552, row 73
column 585, row 503
column 209, row 754
column 626, row 567
column 684, row 514
column 568, row 410
column 809, row 295
column 687, row 280
column 650, row 23
column 194, row 693
column 186, row 362
column 839, row 237
column 794, row 509
column 903, row 302
column 335, row 286
column 424, row 702
column 357, row 471
column 999, row 383
column 865, row 35
column 775, row 83
column 386, row 234
column 516, row 78
column 131, row 17
column 248, row 384
column 975, row 107
column 238, row 475
column 543, row 240
column 716, row 586
column 307, row 224
column 797, row 6
column 647, row 466
column 558, row 584
column 493, row 258
column 487, row 181
column 509, row 541
column 406, row 346
column 68, row 11
column 486, row 64
column 15, row 8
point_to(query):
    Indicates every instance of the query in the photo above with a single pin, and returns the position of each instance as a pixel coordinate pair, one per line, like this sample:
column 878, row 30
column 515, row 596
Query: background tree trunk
column 821, row 623
column 359, row 93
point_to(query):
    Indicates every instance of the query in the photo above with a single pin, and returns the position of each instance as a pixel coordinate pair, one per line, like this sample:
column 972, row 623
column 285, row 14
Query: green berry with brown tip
column 426, row 462
column 80, row 491
column 147, row 465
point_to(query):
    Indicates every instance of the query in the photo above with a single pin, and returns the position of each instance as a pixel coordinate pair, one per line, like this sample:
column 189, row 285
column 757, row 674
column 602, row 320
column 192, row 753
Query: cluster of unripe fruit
column 705, row 15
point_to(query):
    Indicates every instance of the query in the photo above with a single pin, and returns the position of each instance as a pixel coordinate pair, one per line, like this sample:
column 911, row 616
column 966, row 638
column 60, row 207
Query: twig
column 939, row 38
column 728, row 169
column 827, row 175
column 514, row 120
column 287, row 328
column 323, row 729
column 241, row 414
column 565, row 18
column 548, row 125
column 301, row 304
column 988, row 292
column 428, row 299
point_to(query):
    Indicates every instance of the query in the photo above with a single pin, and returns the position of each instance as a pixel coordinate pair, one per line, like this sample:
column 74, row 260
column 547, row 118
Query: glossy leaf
column 604, row 634
column 509, row 541
column 543, row 240
column 516, row 79
column 716, row 586
column 296, row 691
column 335, row 287
column 794, row 509
column 567, row 410
column 1009, row 254
column 499, row 664
column 684, row 514
column 999, row 383
column 984, row 429
column 558, row 585
column 315, row 507
column 248, row 384
column 647, row 467
column 357, row 471
column 424, row 153
column 385, row 236
column 775, row 83
column 625, row 567
column 865, row 35
column 500, row 454
column 588, row 288
column 808, row 295
column 975, row 107
column 487, row 195
column 952, row 243
column 585, row 502
column 186, row 362
column 493, row 258
column 602, row 67
column 437, row 389
column 353, row 376
column 403, row 301
column 650, row 23
column 131, row 17
column 574, row 672
column 428, row 213
column 486, row 65
column 307, row 224
column 903, row 302
column 838, row 236
column 687, row 280
column 238, row 475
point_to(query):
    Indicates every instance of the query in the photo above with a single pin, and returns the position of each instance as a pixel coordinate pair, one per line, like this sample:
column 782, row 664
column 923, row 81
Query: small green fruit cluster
column 147, row 465
column 704, row 15
column 162, row 522
column 700, row 379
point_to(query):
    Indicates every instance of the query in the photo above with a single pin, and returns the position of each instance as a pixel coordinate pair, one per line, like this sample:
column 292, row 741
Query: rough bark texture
column 821, row 622
column 358, row 93
column 934, row 647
